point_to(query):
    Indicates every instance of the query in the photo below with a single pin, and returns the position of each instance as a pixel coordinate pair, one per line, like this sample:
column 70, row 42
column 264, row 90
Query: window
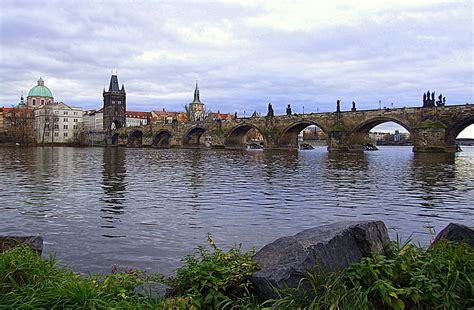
column 65, row 134
column 56, row 134
column 46, row 134
column 65, row 112
column 65, row 119
column 74, row 127
column 119, row 102
column 34, row 102
column 42, row 101
column 56, row 126
column 75, row 113
column 75, row 120
column 75, row 134
column 65, row 127
column 56, row 112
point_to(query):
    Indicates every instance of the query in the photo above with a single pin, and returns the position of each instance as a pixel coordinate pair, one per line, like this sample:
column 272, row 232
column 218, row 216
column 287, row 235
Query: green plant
column 213, row 277
column 408, row 277
column 28, row 281
column 427, row 124
column 338, row 127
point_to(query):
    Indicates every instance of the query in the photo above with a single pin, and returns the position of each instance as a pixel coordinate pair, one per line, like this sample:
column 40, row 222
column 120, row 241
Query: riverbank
column 407, row 276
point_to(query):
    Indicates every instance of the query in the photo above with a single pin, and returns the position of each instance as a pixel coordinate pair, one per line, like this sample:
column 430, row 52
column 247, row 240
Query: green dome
column 40, row 90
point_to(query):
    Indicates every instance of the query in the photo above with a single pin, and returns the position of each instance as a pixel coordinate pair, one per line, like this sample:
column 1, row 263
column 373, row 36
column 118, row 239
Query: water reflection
column 160, row 204
column 113, row 181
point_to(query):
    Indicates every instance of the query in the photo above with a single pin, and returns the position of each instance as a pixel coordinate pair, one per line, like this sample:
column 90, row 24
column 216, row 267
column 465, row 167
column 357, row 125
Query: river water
column 147, row 208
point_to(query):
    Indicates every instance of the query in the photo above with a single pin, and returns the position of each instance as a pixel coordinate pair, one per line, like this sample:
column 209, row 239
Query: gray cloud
column 244, row 55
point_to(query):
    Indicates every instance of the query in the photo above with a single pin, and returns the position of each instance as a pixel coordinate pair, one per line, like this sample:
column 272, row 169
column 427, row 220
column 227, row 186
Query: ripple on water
column 147, row 208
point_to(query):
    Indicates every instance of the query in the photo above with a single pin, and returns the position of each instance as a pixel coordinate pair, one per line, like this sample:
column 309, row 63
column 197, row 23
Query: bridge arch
column 289, row 136
column 367, row 125
column 453, row 131
column 236, row 136
column 193, row 136
column 359, row 135
column 162, row 139
column 135, row 138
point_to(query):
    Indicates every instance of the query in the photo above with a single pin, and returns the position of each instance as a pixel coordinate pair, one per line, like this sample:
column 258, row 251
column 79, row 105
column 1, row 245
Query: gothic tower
column 196, row 108
column 114, row 107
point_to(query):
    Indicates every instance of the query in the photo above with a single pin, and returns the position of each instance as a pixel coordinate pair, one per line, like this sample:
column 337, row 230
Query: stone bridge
column 432, row 129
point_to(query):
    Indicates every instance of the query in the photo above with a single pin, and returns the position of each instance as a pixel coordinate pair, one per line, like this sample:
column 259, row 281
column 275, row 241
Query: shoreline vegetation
column 406, row 277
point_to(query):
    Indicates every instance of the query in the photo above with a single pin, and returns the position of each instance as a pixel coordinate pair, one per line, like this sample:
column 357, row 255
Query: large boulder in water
column 330, row 248
column 34, row 242
column 457, row 232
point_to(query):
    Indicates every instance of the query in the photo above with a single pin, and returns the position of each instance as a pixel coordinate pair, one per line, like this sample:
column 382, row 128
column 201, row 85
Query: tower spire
column 196, row 94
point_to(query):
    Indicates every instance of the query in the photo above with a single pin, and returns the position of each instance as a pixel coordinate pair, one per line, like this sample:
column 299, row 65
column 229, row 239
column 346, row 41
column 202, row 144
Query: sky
column 244, row 54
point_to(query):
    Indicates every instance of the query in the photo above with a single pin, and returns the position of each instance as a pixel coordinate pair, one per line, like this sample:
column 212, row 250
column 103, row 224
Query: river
column 147, row 208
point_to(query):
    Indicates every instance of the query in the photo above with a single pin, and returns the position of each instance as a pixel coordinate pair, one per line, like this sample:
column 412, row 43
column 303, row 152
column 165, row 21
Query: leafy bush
column 408, row 277
column 28, row 281
column 217, row 277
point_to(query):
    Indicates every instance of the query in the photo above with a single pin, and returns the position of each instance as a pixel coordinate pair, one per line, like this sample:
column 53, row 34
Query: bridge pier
column 341, row 141
column 431, row 140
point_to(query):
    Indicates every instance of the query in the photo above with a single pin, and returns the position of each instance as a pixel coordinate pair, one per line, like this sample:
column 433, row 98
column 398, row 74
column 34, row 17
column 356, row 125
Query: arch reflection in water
column 113, row 181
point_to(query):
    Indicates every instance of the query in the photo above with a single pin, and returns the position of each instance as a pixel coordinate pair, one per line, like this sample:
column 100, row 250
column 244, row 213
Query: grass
column 408, row 277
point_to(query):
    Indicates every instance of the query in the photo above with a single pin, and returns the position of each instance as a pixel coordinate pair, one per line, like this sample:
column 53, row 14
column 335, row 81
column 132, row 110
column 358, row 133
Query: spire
column 21, row 98
column 114, row 86
column 196, row 94
column 123, row 88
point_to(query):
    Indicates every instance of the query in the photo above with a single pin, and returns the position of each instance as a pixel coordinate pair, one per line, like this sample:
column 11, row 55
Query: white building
column 136, row 119
column 57, row 123
column 94, row 121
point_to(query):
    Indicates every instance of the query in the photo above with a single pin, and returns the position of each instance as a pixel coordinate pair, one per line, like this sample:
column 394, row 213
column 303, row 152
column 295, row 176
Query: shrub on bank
column 407, row 277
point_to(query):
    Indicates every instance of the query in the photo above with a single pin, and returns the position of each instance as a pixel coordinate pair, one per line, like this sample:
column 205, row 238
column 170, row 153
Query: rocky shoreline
column 283, row 263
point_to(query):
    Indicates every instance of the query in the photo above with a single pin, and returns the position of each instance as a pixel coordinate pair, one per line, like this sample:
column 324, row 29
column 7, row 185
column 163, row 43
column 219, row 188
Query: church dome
column 40, row 90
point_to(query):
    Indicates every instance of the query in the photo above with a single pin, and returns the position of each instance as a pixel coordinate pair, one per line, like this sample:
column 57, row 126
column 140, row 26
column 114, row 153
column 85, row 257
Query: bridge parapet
column 431, row 129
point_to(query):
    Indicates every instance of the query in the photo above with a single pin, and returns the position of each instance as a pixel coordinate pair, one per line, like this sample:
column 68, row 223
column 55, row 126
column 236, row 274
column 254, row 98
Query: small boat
column 254, row 145
column 370, row 147
column 306, row 146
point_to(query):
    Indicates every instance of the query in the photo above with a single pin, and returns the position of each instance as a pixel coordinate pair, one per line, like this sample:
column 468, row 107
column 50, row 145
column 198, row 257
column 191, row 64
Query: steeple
column 123, row 88
column 114, row 85
column 196, row 94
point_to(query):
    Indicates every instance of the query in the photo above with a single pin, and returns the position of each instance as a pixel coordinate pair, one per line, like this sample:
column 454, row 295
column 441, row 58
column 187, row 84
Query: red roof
column 222, row 115
column 165, row 113
column 137, row 114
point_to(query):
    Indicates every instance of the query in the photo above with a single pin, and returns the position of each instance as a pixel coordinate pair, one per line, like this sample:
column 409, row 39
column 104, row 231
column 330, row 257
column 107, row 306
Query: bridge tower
column 114, row 108
column 195, row 109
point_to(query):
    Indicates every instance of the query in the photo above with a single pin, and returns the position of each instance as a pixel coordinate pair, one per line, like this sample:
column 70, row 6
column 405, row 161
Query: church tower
column 196, row 108
column 114, row 107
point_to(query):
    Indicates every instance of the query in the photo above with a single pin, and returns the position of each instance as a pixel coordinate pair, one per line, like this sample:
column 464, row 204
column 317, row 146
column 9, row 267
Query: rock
column 330, row 247
column 457, row 232
column 34, row 242
column 155, row 290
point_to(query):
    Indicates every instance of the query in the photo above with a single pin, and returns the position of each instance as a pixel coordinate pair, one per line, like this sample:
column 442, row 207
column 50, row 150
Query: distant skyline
column 244, row 54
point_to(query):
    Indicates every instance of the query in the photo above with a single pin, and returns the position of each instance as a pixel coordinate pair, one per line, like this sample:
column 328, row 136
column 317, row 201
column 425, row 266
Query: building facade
column 136, row 119
column 39, row 96
column 57, row 123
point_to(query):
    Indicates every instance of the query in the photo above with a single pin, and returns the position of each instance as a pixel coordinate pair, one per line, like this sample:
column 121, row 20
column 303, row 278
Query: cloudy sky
column 244, row 53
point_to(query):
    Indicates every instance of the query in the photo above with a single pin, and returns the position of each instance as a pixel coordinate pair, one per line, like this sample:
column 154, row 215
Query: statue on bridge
column 270, row 110
column 353, row 106
column 288, row 110
column 441, row 101
column 338, row 107
column 428, row 100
